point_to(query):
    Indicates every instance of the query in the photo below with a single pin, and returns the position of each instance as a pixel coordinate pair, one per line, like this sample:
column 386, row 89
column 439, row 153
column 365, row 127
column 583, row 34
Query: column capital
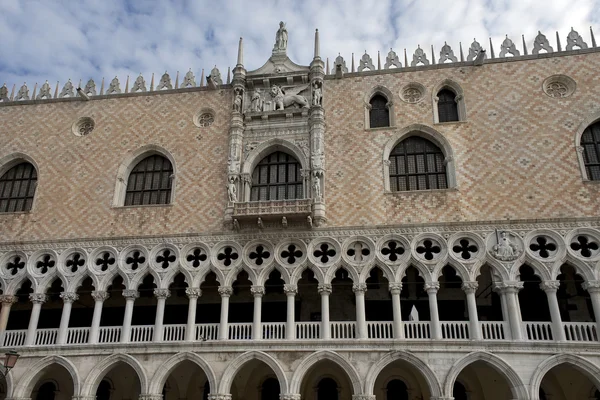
column 549, row 286
column 148, row 396
column 131, row 294
column 324, row 288
column 363, row 397
column 8, row 299
column 290, row 396
column 225, row 291
column 257, row 291
column 395, row 287
column 100, row 295
column 359, row 288
column 219, row 396
column 38, row 298
column 291, row 290
column 193, row 293
column 69, row 297
column 508, row 286
column 590, row 286
column 432, row 287
column 470, row 286
column 162, row 293
column 83, row 398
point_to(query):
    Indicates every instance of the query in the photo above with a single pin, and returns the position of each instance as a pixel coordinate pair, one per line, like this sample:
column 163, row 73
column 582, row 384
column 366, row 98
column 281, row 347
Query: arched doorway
column 326, row 380
column 255, row 380
column 480, row 380
column 119, row 383
column 396, row 389
column 327, row 389
column 400, row 380
column 186, row 381
column 565, row 382
column 54, row 382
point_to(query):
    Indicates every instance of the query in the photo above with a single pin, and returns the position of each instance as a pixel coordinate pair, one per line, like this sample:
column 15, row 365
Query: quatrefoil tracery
column 75, row 262
column 324, row 252
column 392, row 250
column 196, row 257
column 228, row 255
column 46, row 263
column 465, row 249
column 586, row 247
column 166, row 258
column 291, row 254
column 429, row 249
column 543, row 247
column 358, row 251
column 105, row 261
column 15, row 265
column 259, row 255
column 135, row 260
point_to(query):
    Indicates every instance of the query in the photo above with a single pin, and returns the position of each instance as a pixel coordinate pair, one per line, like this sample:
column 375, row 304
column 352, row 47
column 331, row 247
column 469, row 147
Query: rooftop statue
column 281, row 38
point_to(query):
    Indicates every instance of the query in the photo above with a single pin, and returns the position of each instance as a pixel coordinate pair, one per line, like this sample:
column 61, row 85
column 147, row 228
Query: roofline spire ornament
column 317, row 46
column 240, row 57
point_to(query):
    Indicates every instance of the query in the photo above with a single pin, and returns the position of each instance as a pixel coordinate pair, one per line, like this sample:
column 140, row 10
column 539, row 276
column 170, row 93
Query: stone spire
column 317, row 46
column 240, row 58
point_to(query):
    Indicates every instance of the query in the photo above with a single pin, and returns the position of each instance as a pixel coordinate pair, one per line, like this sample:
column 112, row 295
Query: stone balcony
column 301, row 208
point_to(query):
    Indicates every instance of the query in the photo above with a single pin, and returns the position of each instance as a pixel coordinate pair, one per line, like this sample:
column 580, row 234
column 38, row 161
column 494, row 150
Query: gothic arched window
column 447, row 107
column 590, row 141
column 17, row 188
column 417, row 164
column 276, row 177
column 379, row 116
column 149, row 182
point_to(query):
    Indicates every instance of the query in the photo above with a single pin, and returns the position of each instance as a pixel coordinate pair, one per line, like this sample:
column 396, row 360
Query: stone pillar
column 37, row 299
column 290, row 324
column 99, row 298
column 436, row 329
column 470, row 288
column 130, row 296
column 359, row 290
column 190, row 328
column 550, row 288
column 395, row 289
column 363, row 397
column 290, row 396
column 225, row 292
column 316, row 124
column 325, row 291
column 68, row 299
column 219, row 396
column 510, row 290
column 593, row 288
column 7, row 301
column 258, row 292
column 161, row 296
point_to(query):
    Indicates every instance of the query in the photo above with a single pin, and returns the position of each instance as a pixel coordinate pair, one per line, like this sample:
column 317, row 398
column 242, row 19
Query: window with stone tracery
column 17, row 188
column 447, row 106
column 379, row 116
column 276, row 177
column 150, row 182
column 590, row 142
column 417, row 164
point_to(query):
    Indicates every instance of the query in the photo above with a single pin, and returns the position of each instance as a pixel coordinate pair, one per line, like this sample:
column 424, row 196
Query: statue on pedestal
column 281, row 38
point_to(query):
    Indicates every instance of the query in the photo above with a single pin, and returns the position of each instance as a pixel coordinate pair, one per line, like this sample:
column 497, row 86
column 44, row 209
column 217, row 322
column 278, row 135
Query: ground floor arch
column 326, row 380
column 185, row 368
column 122, row 373
column 255, row 380
column 53, row 374
column 565, row 381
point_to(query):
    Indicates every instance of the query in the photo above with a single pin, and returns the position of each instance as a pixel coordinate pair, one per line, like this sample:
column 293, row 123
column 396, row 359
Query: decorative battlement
column 476, row 54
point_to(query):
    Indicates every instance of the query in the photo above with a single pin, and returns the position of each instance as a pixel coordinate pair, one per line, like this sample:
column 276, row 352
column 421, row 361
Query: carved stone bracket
column 470, row 287
column 549, row 286
column 432, row 287
column 359, row 288
column 131, row 294
column 38, row 298
column 8, row 299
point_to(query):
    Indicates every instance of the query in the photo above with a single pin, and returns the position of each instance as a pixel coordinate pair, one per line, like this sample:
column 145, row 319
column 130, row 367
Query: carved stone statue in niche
column 281, row 38
column 316, row 187
column 283, row 100
column 256, row 103
column 317, row 94
column 505, row 249
column 231, row 190
column 237, row 101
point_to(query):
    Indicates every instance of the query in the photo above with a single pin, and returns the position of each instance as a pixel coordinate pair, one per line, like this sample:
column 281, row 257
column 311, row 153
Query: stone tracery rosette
column 195, row 256
column 544, row 245
column 72, row 261
column 504, row 245
column 13, row 264
column 103, row 260
column 429, row 248
column 259, row 253
column 324, row 251
column 227, row 254
column 164, row 257
column 466, row 247
column 393, row 249
column 559, row 86
column 412, row 93
column 358, row 251
column 291, row 253
column 42, row 262
column 584, row 244
column 133, row 258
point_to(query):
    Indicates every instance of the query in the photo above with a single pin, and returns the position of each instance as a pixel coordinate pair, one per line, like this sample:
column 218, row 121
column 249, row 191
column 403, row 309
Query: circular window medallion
column 559, row 86
column 204, row 118
column 83, row 126
column 412, row 93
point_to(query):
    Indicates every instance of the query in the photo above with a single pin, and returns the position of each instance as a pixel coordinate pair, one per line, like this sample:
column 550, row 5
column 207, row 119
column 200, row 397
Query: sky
column 56, row 40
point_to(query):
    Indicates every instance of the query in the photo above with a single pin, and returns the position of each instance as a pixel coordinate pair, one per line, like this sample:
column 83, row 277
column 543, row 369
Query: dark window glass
column 396, row 390
column 46, row 392
column 459, row 392
column 270, row 389
column 379, row 115
column 447, row 107
column 103, row 392
column 149, row 182
column 17, row 187
column 590, row 141
column 327, row 389
column 276, row 177
column 417, row 164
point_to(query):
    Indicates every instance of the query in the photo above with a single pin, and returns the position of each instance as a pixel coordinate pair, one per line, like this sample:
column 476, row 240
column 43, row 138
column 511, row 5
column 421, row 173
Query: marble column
column 432, row 289
column 359, row 290
column 37, row 299
column 190, row 328
column 550, row 288
column 593, row 288
column 325, row 291
column 258, row 292
column 130, row 296
column 161, row 295
column 68, row 299
column 290, row 396
column 470, row 288
column 395, row 289
column 220, row 396
column 510, row 290
column 7, row 301
column 99, row 298
column 290, row 324
column 225, row 292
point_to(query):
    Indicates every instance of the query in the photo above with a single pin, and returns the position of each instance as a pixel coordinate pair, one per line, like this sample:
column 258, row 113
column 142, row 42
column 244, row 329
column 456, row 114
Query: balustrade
column 343, row 329
column 455, row 329
column 308, row 330
column 240, row 331
column 46, row 337
column 78, row 335
column 494, row 330
column 538, row 331
column 142, row 333
column 580, row 331
column 109, row 334
column 380, row 330
column 174, row 333
column 417, row 330
column 207, row 331
column 14, row 338
column 273, row 330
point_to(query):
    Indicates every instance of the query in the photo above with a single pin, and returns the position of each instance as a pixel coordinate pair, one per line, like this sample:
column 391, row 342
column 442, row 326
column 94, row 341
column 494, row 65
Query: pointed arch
column 539, row 269
column 78, row 280
column 22, row 163
column 270, row 146
column 264, row 274
column 236, row 364
column 200, row 277
column 298, row 271
column 588, row 368
column 427, row 133
column 498, row 271
column 454, row 87
column 388, row 273
column 137, row 279
column 502, row 367
column 103, row 367
column 14, row 285
column 27, row 382
column 379, row 90
column 169, row 277
column 419, row 364
column 420, row 267
column 232, row 275
column 46, row 282
column 460, row 269
column 306, row 364
column 587, row 122
column 130, row 161
column 108, row 279
column 330, row 273
column 162, row 373
column 581, row 267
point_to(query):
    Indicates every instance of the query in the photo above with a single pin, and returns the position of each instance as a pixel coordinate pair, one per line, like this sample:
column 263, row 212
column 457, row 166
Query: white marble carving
column 283, row 100
column 4, row 93
column 114, row 87
column 231, row 190
column 419, row 57
column 281, row 38
column 474, row 50
column 237, row 100
column 366, row 63
column 392, row 59
column 90, row 88
column 575, row 39
column 189, row 80
column 508, row 47
column 339, row 61
column 256, row 102
column 214, row 79
column 317, row 93
column 506, row 247
column 541, row 43
column 23, row 93
column 139, row 85
column 45, row 92
column 165, row 82
column 447, row 54
column 67, row 90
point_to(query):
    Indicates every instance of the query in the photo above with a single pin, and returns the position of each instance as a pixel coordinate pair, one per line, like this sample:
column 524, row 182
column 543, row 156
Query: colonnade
column 508, row 292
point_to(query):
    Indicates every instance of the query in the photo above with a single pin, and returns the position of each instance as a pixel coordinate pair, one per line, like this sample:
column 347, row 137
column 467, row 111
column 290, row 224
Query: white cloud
column 57, row 40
